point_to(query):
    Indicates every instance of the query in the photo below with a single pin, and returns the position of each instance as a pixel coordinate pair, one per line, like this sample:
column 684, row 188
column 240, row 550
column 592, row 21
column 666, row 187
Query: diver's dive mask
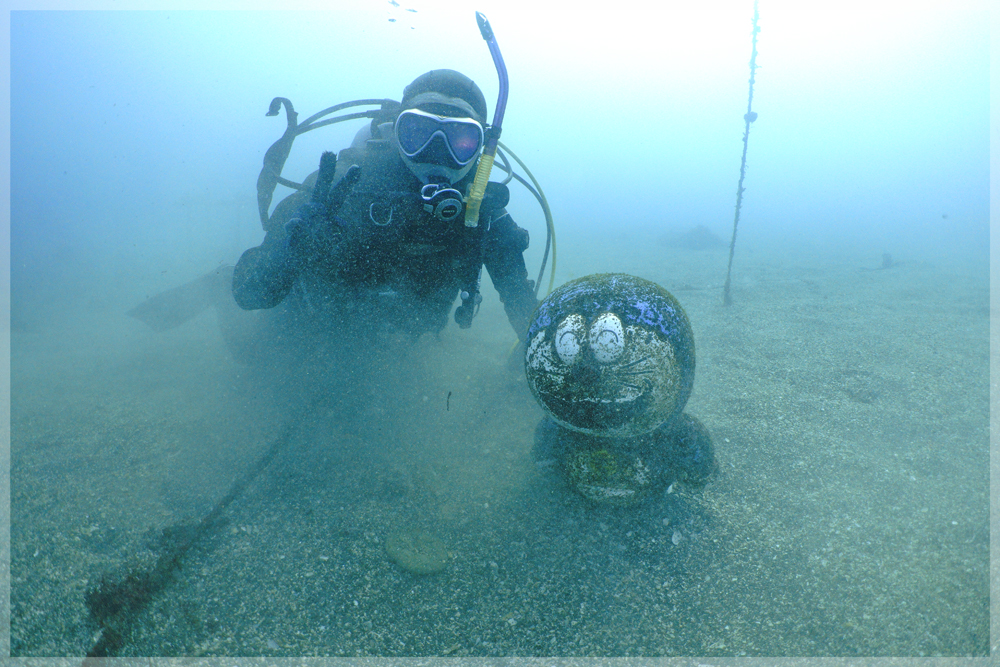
column 438, row 148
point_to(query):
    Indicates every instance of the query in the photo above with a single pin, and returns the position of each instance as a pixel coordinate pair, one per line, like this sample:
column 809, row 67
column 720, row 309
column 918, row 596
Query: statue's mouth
column 595, row 413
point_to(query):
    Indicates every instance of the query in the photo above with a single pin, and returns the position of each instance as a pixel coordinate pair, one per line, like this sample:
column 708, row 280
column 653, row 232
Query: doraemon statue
column 610, row 358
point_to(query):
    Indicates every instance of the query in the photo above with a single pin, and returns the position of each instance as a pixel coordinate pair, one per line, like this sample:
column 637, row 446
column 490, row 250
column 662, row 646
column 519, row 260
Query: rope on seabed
column 748, row 118
column 117, row 599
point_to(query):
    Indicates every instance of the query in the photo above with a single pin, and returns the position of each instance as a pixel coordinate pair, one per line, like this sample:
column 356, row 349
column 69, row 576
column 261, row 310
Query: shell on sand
column 416, row 550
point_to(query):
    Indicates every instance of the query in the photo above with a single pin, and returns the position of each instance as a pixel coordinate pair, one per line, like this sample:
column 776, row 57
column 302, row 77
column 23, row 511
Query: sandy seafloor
column 850, row 413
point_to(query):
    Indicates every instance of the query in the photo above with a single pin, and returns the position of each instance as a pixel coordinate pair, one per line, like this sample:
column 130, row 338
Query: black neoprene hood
column 447, row 82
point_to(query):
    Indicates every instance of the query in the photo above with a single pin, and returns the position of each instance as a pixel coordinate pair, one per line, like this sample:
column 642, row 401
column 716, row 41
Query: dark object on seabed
column 887, row 263
column 117, row 598
column 696, row 238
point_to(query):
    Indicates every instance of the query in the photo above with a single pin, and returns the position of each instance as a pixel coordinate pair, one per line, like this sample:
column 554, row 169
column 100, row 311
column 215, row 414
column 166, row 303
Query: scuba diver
column 383, row 242
column 376, row 244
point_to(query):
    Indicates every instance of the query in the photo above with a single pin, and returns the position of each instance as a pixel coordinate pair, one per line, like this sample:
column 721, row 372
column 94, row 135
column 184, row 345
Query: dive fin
column 176, row 306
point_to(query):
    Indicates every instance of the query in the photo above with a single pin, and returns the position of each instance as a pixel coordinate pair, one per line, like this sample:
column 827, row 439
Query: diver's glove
column 331, row 199
column 312, row 236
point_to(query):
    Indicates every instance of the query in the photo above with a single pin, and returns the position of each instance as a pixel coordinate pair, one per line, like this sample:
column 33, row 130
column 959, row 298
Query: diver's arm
column 504, row 259
column 265, row 274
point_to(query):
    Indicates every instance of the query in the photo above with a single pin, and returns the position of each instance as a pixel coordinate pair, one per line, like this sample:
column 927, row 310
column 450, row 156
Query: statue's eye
column 570, row 335
column 607, row 338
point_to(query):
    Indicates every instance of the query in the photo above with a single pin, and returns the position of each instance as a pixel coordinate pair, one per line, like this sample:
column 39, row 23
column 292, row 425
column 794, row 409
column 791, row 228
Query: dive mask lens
column 415, row 129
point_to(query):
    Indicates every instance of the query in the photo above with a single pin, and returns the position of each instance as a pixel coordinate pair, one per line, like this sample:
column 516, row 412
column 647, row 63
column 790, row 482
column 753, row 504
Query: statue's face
column 610, row 355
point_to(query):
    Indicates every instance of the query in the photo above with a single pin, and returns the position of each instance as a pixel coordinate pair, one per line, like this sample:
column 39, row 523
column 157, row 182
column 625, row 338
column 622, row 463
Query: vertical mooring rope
column 748, row 118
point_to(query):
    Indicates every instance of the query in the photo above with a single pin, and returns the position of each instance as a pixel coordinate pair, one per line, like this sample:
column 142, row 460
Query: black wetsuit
column 389, row 259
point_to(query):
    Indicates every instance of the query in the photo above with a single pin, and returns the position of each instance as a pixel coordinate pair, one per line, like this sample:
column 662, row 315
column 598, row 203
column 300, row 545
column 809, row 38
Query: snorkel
column 478, row 188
